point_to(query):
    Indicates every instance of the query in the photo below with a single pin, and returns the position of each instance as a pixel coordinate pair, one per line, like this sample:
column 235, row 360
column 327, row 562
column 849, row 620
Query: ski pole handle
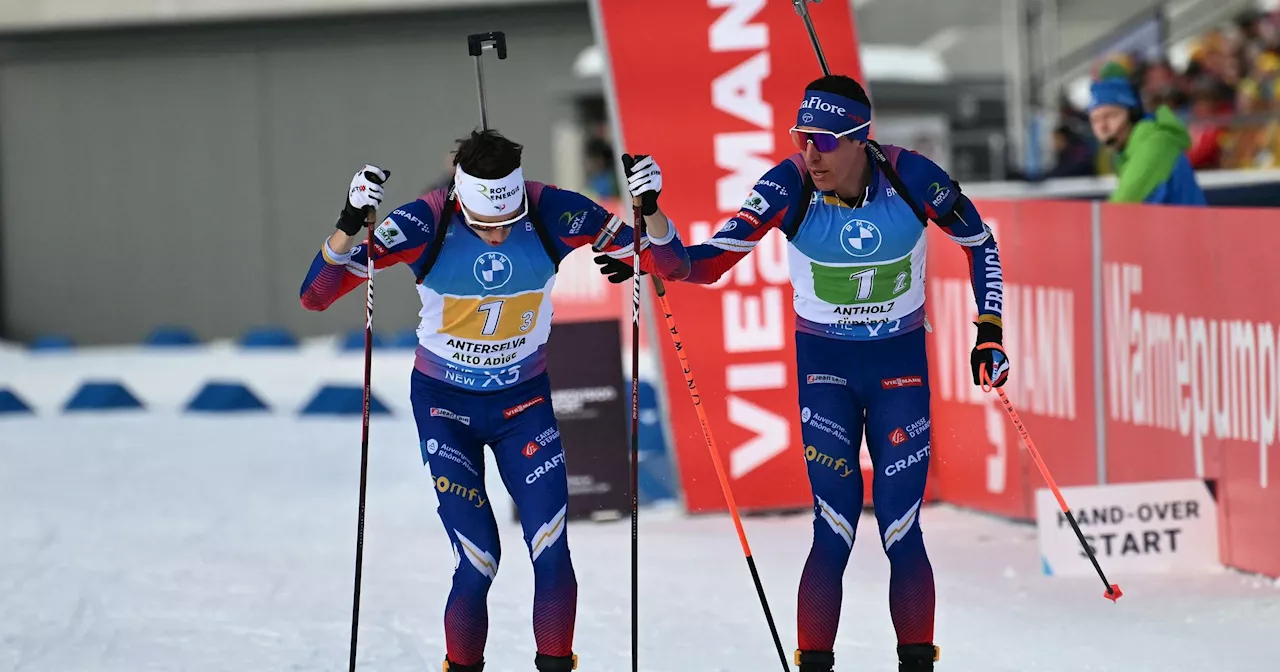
column 496, row 40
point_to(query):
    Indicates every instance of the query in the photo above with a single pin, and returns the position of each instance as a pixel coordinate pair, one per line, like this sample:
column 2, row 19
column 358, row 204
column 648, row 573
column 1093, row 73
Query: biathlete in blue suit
column 856, row 231
column 485, row 254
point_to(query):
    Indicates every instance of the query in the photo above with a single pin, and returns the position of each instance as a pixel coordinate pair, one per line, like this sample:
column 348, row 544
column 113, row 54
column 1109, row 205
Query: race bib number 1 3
column 490, row 318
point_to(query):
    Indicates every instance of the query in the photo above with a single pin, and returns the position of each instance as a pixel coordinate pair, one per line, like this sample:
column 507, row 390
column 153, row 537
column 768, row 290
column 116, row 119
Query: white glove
column 644, row 177
column 365, row 192
column 366, row 188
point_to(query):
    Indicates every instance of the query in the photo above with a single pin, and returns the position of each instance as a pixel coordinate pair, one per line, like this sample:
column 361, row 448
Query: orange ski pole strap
column 1113, row 591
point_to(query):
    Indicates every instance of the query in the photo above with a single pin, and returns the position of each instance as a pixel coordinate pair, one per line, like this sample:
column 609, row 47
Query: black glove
column 364, row 197
column 616, row 270
column 988, row 356
column 644, row 179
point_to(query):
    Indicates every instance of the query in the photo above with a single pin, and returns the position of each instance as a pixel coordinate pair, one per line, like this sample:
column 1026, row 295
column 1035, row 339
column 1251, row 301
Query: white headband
column 492, row 198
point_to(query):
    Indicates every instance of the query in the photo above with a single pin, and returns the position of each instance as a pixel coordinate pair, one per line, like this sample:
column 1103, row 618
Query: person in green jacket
column 1150, row 149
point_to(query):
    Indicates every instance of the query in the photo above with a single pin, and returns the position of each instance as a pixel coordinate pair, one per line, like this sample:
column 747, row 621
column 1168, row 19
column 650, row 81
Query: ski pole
column 802, row 8
column 370, row 218
column 637, row 225
column 661, row 290
column 1113, row 591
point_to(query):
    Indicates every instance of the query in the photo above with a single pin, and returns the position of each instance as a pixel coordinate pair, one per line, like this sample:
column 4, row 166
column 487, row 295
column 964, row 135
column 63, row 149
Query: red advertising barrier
column 1192, row 384
column 978, row 459
column 732, row 72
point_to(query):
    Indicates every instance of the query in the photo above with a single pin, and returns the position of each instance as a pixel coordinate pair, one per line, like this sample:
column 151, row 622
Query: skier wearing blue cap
column 1150, row 149
column 855, row 215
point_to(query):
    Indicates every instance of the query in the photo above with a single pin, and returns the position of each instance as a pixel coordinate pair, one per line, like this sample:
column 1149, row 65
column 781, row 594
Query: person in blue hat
column 1150, row 149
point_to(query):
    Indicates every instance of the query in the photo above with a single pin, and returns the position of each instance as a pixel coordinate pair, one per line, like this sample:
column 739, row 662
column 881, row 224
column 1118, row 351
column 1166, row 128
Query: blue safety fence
column 257, row 337
column 12, row 404
column 268, row 337
column 225, row 397
column 102, row 395
column 170, row 337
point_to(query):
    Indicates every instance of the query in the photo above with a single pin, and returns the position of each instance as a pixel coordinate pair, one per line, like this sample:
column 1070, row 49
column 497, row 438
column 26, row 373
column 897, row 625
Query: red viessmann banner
column 1192, row 378
column 712, row 101
column 978, row 459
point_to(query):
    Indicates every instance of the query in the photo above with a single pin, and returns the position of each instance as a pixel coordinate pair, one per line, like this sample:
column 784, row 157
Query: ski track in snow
column 139, row 542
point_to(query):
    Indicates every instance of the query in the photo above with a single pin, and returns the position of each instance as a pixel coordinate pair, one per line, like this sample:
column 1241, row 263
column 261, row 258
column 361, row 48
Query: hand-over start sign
column 1133, row 528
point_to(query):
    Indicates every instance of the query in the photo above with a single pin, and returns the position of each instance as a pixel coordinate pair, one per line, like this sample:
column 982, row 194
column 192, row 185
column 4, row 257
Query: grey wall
column 188, row 176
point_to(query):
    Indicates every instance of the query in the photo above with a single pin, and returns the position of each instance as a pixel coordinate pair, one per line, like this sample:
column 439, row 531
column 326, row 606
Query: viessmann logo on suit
column 901, row 381
column 522, row 407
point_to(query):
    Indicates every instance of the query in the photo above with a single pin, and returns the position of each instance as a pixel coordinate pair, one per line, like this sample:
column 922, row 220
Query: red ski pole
column 715, row 459
column 1113, row 591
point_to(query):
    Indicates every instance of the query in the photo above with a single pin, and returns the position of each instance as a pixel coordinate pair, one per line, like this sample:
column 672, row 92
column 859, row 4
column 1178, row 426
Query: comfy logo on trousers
column 471, row 495
column 840, row 466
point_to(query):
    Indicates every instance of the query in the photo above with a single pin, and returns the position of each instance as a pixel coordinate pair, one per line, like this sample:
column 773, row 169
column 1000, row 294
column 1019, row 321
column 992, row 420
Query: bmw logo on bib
column 493, row 270
column 860, row 238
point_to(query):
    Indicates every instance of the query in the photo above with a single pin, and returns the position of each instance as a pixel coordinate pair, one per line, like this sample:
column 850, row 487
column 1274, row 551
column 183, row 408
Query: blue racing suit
column 858, row 275
column 480, row 379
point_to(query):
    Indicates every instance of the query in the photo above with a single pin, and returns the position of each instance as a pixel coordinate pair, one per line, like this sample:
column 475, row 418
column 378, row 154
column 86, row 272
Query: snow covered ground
column 155, row 541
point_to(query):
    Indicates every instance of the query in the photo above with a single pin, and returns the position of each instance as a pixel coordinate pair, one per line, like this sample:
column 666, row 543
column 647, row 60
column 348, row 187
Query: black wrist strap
column 350, row 221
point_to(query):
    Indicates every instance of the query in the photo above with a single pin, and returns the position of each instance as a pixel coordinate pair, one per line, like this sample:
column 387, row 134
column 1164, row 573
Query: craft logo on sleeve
column 413, row 218
column 782, row 191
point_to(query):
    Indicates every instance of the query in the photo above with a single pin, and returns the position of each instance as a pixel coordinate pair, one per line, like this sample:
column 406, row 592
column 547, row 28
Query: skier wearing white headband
column 485, row 254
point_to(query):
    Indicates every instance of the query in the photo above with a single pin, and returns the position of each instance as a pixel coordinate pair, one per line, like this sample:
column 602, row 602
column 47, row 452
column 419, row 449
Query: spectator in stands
column 1075, row 158
column 1206, row 127
column 1161, row 86
column 1232, row 70
column 602, row 177
column 1150, row 159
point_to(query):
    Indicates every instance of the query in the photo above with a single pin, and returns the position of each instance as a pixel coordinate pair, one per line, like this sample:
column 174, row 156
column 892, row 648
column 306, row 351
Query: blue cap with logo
column 835, row 113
